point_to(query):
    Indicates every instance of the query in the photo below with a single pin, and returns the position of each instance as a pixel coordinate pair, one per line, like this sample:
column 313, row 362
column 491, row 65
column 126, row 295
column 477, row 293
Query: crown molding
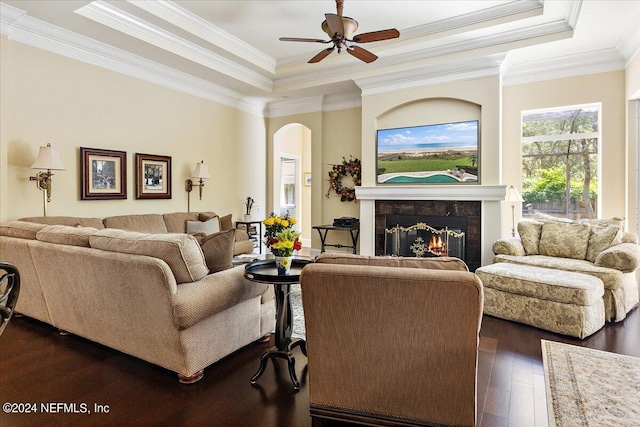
column 439, row 74
column 313, row 104
column 119, row 20
column 8, row 14
column 629, row 43
column 182, row 18
column 573, row 12
column 600, row 61
column 22, row 28
column 294, row 106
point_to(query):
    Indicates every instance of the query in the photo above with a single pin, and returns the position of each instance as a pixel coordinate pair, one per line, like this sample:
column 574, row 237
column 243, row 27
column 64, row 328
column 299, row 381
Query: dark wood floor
column 37, row 365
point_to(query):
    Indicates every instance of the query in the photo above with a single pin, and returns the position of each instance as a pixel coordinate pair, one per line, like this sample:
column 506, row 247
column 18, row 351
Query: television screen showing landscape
column 445, row 153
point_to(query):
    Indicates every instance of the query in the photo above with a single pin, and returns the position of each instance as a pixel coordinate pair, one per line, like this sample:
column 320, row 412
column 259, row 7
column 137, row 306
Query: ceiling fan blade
column 362, row 54
column 375, row 36
column 296, row 39
column 335, row 24
column 323, row 54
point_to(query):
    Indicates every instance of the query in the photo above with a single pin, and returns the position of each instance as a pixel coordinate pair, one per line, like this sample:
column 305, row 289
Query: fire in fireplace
column 422, row 240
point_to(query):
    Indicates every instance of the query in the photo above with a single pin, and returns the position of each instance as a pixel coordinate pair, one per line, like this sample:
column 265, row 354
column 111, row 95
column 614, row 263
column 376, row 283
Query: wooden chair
column 9, row 290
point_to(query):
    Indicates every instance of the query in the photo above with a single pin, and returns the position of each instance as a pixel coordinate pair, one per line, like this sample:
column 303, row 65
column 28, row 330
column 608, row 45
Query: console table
column 323, row 230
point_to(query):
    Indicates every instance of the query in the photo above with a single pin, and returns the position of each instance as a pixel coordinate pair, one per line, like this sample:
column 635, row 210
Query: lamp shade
column 201, row 171
column 512, row 195
column 48, row 158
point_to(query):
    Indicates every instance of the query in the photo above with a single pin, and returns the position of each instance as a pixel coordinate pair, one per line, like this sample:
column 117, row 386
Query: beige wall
column 333, row 135
column 632, row 96
column 607, row 88
column 48, row 98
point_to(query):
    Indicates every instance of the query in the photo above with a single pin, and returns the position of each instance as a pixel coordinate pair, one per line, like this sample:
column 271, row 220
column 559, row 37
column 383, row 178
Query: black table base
column 259, row 272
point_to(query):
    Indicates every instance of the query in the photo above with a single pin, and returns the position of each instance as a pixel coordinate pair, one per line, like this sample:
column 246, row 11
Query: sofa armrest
column 624, row 257
column 509, row 246
column 196, row 301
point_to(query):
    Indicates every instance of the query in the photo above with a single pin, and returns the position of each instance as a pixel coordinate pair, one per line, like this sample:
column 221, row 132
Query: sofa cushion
column 21, row 229
column 567, row 287
column 66, row 235
column 218, row 250
column 208, row 227
column 71, row 221
column 148, row 223
column 564, row 240
column 435, row 263
column 602, row 237
column 530, row 232
column 176, row 222
column 180, row 251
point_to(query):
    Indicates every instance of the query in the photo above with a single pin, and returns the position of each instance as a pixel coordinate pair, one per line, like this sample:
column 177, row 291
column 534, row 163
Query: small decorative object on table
column 248, row 205
column 282, row 240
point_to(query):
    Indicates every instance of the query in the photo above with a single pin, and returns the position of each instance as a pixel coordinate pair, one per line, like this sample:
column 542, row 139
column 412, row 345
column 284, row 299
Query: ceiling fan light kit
column 340, row 29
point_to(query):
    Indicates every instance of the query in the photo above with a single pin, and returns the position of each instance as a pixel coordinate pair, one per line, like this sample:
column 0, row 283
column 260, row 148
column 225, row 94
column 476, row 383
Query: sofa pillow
column 604, row 221
column 601, row 238
column 218, row 250
column 530, row 232
column 176, row 222
column 147, row 223
column 71, row 221
column 539, row 216
column 208, row 227
column 564, row 240
column 180, row 251
column 21, row 229
column 624, row 257
column 226, row 223
column 66, row 235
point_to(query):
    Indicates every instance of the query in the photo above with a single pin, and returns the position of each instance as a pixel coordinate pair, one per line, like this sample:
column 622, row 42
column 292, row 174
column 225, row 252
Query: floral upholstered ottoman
column 559, row 301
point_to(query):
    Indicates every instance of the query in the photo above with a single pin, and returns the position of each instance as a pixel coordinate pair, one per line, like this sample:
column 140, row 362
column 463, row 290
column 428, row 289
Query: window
column 560, row 165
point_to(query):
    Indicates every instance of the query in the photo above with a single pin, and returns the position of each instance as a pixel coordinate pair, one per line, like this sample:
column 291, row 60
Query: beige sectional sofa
column 151, row 223
column 573, row 250
column 148, row 295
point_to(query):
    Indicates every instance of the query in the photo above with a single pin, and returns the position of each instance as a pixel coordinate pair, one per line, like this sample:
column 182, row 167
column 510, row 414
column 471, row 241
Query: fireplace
column 425, row 237
column 429, row 228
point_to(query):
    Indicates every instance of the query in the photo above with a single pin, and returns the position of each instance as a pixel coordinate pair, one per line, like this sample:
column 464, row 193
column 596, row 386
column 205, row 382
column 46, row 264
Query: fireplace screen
column 421, row 240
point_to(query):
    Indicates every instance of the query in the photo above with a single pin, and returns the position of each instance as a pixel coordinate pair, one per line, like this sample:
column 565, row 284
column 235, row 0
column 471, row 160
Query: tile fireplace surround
column 491, row 198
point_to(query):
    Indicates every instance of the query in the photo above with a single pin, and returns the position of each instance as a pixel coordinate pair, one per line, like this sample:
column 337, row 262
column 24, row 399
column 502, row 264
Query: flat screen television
column 444, row 153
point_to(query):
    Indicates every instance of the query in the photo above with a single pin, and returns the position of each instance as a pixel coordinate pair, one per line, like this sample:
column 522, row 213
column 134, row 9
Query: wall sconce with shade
column 200, row 172
column 513, row 197
column 49, row 159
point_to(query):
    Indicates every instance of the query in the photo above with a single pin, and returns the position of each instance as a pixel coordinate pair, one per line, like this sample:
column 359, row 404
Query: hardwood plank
column 38, row 365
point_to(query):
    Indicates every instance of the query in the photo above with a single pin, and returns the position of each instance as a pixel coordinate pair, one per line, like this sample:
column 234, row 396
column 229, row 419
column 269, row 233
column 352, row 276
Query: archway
column 291, row 176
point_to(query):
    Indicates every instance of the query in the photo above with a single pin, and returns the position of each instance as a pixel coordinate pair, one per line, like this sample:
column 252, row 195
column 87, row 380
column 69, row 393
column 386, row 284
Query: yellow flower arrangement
column 280, row 236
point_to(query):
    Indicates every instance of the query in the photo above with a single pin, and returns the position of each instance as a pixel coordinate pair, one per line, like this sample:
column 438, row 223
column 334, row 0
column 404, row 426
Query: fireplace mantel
column 494, row 193
column 491, row 197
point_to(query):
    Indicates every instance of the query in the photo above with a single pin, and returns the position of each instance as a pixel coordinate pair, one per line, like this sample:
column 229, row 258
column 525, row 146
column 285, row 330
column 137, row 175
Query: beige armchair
column 391, row 345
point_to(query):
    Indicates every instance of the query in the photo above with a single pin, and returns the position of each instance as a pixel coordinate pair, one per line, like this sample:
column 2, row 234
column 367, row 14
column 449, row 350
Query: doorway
column 292, row 161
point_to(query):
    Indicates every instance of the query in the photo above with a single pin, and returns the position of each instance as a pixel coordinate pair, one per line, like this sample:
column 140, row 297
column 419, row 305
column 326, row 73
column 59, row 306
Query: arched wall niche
column 429, row 111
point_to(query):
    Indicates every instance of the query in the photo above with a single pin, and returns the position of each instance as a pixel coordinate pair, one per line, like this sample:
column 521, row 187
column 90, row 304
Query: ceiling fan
column 340, row 29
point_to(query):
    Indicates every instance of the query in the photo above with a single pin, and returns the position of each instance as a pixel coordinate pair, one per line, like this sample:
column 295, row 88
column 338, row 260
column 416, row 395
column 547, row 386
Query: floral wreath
column 351, row 167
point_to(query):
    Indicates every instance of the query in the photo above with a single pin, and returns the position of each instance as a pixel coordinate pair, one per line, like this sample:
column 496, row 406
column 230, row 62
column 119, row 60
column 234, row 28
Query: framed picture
column 443, row 153
column 153, row 176
column 307, row 179
column 103, row 174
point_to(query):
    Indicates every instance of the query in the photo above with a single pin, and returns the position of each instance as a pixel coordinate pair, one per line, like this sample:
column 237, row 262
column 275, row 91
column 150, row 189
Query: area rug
column 295, row 296
column 588, row 387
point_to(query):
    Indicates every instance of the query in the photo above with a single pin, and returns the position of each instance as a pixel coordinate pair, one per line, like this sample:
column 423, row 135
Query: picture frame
column 431, row 154
column 103, row 174
column 153, row 176
column 307, row 179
